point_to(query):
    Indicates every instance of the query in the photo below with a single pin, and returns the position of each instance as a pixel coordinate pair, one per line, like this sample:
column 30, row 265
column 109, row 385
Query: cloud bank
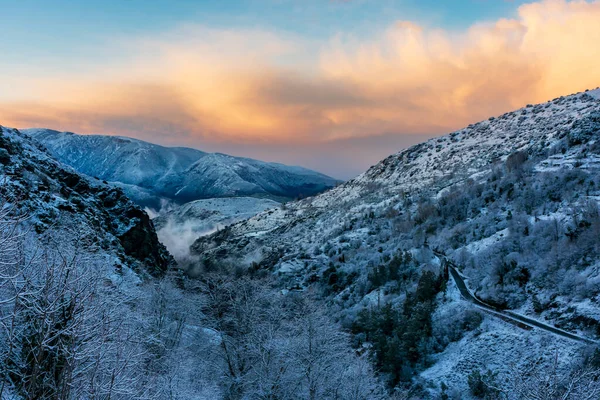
column 285, row 98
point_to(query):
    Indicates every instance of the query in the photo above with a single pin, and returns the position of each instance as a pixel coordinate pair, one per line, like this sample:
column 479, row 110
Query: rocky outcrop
column 52, row 194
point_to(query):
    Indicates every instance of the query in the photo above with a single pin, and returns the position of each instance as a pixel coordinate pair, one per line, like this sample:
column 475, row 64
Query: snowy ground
column 495, row 345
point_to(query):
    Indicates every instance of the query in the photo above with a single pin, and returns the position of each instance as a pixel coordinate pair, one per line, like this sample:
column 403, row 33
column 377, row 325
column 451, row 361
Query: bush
column 4, row 157
column 483, row 386
column 584, row 129
column 515, row 161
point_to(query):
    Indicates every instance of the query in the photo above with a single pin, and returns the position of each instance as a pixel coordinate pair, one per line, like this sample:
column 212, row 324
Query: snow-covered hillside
column 432, row 167
column 52, row 194
column 513, row 200
column 78, row 263
column 177, row 173
column 91, row 308
column 178, row 227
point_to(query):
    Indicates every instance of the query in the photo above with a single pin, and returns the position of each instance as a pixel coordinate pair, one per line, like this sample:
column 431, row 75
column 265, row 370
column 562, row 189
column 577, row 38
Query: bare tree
column 545, row 381
column 325, row 364
column 275, row 346
column 61, row 333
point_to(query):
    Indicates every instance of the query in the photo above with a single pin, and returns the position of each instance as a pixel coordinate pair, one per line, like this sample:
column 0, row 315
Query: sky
column 333, row 85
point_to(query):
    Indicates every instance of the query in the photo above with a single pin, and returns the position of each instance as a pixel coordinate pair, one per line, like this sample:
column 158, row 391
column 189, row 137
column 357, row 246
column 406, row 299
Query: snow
column 595, row 93
column 570, row 160
column 433, row 166
column 318, row 230
column 291, row 266
column 70, row 222
column 557, row 215
column 55, row 203
column 179, row 173
column 339, row 222
column 589, row 307
column 495, row 345
column 479, row 245
column 500, row 347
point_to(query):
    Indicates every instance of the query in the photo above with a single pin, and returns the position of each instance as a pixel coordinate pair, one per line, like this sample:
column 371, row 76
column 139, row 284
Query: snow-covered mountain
column 149, row 173
column 52, row 194
column 432, row 168
column 513, row 200
column 90, row 306
column 78, row 263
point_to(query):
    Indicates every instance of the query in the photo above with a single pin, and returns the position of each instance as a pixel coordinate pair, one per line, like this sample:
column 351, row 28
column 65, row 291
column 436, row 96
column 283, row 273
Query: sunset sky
column 330, row 85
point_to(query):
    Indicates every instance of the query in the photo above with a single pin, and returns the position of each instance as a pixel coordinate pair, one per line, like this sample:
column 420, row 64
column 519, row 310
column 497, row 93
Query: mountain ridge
column 50, row 192
column 403, row 171
column 179, row 174
column 512, row 200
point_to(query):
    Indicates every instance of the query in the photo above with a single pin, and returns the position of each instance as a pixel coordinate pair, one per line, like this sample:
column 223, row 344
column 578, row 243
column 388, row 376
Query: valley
column 300, row 200
column 249, row 284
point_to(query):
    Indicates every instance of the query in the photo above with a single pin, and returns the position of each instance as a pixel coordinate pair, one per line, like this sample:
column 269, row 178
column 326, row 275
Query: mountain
column 52, row 194
column 551, row 132
column 467, row 266
column 92, row 305
column 152, row 174
column 78, row 264
column 512, row 201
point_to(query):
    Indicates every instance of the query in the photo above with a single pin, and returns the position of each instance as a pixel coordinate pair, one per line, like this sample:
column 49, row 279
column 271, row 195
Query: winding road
column 508, row 316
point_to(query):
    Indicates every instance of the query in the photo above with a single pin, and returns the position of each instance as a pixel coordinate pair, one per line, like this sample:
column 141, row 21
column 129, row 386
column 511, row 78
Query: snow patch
column 479, row 245
column 595, row 93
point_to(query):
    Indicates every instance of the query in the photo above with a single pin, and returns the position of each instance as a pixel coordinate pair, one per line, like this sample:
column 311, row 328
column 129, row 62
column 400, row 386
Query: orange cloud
column 450, row 79
column 203, row 87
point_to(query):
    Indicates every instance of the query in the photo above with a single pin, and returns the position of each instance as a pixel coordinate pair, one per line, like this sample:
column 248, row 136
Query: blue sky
column 61, row 29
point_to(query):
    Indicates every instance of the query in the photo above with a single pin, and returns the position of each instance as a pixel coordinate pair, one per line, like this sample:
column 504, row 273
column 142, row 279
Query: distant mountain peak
column 151, row 174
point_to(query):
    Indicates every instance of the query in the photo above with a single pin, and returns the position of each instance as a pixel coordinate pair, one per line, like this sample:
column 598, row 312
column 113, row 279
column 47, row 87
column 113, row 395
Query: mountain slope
column 52, row 194
column 79, row 262
column 430, row 168
column 81, row 317
column 179, row 227
column 513, row 200
column 176, row 173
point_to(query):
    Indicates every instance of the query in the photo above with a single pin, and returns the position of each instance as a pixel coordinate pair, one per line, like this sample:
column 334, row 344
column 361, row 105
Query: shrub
column 483, row 386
